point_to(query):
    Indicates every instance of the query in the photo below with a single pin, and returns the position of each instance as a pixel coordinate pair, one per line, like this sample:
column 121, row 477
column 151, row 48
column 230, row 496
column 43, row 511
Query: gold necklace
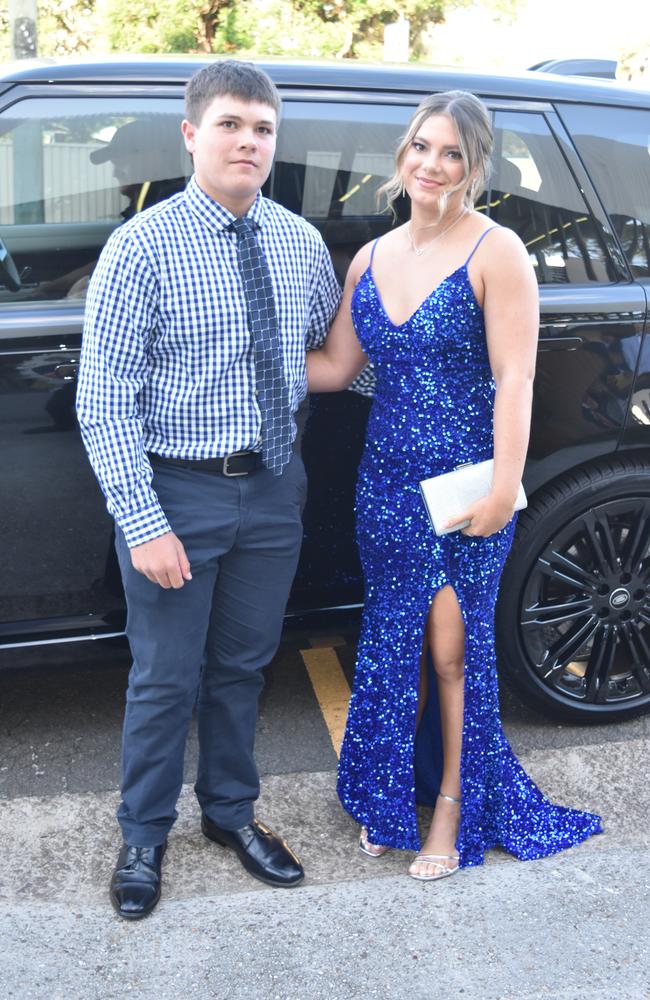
column 419, row 252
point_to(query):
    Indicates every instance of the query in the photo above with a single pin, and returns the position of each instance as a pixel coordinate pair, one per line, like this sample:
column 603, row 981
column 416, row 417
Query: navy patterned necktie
column 272, row 394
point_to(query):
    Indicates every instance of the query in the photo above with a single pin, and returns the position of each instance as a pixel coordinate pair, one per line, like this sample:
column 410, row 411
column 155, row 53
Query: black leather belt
column 240, row 463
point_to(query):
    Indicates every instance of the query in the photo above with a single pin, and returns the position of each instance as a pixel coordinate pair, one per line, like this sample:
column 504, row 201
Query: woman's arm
column 338, row 362
column 511, row 311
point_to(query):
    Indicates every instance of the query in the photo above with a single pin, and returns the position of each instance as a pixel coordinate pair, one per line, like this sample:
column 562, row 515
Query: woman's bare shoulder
column 501, row 253
column 360, row 262
column 504, row 266
column 503, row 240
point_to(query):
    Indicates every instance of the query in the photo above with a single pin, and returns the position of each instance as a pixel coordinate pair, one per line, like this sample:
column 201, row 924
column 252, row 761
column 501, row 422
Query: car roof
column 346, row 76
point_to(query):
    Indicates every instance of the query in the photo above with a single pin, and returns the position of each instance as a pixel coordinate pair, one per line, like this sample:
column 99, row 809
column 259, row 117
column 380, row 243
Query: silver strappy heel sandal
column 371, row 850
column 437, row 859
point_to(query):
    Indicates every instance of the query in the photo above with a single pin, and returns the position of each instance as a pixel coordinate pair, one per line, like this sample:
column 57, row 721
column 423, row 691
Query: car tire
column 573, row 615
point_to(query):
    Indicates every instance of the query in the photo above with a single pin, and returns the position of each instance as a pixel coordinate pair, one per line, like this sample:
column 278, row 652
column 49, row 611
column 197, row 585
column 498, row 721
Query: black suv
column 571, row 176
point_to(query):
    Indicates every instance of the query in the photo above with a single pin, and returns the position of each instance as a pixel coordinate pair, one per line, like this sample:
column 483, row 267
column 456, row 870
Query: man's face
column 128, row 171
column 233, row 149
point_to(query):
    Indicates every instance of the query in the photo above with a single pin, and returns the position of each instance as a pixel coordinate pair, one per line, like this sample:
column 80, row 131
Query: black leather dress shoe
column 135, row 885
column 264, row 855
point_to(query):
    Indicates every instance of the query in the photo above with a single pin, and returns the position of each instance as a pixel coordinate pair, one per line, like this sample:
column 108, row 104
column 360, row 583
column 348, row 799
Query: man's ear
column 189, row 131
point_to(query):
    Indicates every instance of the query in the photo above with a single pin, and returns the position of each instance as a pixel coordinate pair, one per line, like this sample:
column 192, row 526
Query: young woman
column 446, row 308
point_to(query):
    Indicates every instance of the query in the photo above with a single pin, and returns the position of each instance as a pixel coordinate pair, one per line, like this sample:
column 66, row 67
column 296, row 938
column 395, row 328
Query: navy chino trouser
column 206, row 643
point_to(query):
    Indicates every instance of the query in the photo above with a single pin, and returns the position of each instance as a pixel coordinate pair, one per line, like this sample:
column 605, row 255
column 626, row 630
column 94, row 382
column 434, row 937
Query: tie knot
column 241, row 227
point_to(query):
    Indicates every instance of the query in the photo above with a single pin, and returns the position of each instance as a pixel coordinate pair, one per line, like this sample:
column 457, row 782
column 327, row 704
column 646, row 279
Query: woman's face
column 433, row 162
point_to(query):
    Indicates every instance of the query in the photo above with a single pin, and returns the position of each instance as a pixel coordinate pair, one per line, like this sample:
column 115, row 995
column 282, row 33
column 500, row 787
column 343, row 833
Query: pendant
column 418, row 253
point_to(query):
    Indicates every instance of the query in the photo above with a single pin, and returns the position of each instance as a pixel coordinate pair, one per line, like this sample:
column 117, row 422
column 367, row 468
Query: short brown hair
column 229, row 76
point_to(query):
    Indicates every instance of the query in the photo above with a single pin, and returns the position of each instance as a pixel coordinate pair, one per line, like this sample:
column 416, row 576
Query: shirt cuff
column 143, row 526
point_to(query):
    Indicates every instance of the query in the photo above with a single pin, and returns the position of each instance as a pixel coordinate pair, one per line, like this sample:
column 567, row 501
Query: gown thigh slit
column 425, row 680
column 428, row 782
column 432, row 411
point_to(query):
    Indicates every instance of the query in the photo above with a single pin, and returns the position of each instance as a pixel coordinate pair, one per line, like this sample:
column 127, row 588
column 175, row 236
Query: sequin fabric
column 432, row 410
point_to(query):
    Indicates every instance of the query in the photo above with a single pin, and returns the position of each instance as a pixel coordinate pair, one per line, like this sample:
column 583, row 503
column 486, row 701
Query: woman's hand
column 487, row 515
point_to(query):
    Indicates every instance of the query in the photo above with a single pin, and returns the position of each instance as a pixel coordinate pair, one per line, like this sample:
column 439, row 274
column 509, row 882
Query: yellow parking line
column 328, row 640
column 331, row 688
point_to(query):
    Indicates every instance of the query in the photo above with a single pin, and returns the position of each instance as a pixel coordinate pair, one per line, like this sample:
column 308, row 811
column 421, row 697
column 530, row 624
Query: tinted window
column 72, row 171
column 534, row 192
column 615, row 145
column 331, row 158
column 330, row 161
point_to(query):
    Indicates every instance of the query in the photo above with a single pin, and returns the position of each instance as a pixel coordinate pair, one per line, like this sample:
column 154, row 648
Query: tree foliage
column 65, row 27
column 4, row 34
column 299, row 28
column 305, row 29
column 140, row 26
column 634, row 62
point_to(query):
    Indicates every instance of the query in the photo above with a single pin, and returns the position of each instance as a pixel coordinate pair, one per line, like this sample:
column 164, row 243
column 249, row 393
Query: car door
column 571, row 621
column 592, row 313
column 614, row 143
column 333, row 154
column 60, row 198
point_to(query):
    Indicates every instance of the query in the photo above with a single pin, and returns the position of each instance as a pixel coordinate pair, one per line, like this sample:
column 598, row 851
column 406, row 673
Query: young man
column 193, row 364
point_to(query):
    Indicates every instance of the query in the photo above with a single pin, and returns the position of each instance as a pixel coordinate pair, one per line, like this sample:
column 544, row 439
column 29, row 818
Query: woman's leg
column 446, row 639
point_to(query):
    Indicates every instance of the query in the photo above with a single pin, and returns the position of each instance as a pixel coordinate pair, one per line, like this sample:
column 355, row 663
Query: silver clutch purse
column 447, row 495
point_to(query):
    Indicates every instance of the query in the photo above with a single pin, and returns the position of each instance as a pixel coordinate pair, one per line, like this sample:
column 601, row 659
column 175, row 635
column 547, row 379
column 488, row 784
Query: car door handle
column 551, row 343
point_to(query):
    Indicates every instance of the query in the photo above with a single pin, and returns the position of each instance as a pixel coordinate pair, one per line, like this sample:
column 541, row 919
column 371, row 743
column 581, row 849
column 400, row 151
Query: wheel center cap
column 619, row 598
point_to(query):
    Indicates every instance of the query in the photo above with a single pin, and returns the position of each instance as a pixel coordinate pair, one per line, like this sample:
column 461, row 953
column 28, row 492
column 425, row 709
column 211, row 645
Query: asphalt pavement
column 570, row 927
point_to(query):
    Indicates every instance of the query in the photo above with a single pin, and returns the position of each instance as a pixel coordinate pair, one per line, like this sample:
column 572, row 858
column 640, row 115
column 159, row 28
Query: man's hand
column 163, row 561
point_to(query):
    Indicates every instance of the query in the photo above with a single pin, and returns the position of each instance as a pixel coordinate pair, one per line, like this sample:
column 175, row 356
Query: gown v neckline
column 448, row 277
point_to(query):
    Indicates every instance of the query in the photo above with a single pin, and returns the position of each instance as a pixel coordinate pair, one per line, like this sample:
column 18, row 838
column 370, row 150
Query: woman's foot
column 438, row 857
column 372, row 850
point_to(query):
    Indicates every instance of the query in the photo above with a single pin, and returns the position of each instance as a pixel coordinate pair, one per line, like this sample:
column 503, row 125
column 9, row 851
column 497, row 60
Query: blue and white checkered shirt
column 167, row 360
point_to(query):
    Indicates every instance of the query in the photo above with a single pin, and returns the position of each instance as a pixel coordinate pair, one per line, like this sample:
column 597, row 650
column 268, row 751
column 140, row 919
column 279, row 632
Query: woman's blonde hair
column 475, row 139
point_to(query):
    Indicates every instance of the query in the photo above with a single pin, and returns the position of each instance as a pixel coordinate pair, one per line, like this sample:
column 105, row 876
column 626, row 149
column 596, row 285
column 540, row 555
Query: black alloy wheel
column 573, row 616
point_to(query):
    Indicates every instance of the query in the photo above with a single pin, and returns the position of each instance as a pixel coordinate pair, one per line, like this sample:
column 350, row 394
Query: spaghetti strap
column 478, row 243
column 372, row 252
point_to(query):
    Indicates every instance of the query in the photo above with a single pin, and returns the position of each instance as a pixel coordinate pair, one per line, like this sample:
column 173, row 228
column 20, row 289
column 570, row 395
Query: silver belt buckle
column 225, row 465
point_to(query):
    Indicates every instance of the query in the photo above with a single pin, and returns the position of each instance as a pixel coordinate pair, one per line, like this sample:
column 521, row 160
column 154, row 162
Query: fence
column 73, row 188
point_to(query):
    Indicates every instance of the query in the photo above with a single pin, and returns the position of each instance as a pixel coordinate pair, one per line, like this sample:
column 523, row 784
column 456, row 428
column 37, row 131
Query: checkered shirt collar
column 215, row 216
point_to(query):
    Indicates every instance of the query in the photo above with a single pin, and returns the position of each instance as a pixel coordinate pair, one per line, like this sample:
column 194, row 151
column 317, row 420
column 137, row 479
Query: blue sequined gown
column 433, row 410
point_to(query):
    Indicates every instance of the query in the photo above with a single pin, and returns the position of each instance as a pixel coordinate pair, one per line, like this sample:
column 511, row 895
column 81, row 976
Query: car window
column 615, row 146
column 534, row 192
column 332, row 157
column 330, row 161
column 74, row 169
